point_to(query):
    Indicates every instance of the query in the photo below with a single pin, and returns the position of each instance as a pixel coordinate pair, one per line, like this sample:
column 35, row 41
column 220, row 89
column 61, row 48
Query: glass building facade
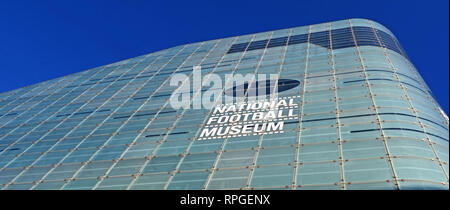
column 363, row 118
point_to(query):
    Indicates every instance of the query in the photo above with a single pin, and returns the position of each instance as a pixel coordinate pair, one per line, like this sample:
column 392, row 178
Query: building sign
column 251, row 118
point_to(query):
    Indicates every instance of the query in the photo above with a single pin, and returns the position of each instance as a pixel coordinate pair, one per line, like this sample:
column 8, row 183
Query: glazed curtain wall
column 366, row 120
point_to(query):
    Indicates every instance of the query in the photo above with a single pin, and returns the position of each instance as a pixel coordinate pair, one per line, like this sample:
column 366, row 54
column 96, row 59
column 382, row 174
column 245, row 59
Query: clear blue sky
column 42, row 40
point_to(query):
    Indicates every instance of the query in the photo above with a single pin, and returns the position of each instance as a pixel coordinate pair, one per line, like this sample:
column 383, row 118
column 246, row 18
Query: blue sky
column 42, row 40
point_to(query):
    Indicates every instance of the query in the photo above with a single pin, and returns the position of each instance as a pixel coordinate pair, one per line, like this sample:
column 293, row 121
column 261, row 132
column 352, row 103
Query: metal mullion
column 374, row 108
column 243, row 99
column 37, row 114
column 259, row 146
column 6, row 95
column 422, row 83
column 17, row 98
column 411, row 105
column 107, row 117
column 18, row 106
column 146, row 126
column 181, row 114
column 413, row 69
column 209, row 114
column 51, row 130
column 193, row 139
column 299, row 133
column 29, row 91
column 252, row 168
column 30, row 108
column 156, row 72
column 283, row 56
column 412, row 180
column 150, row 121
column 43, row 83
column 336, row 101
column 87, row 117
column 150, row 157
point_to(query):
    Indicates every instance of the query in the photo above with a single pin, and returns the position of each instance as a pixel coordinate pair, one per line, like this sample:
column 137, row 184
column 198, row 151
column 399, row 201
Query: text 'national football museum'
column 334, row 106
